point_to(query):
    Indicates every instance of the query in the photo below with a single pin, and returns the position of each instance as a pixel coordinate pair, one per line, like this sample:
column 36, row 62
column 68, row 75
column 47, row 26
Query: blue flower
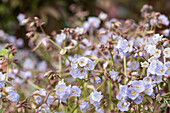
column 132, row 93
column 44, row 109
column 13, row 96
column 60, row 89
column 157, row 78
column 147, row 80
column 160, row 69
column 82, row 61
column 90, row 64
column 139, row 85
column 125, row 46
column 81, row 73
column 123, row 105
column 60, row 38
column 113, row 74
column 75, row 91
column 133, row 65
column 123, row 89
column 50, row 99
column 152, row 67
column 167, row 64
column 138, row 100
column 84, row 106
column 149, row 89
column 74, row 63
column 121, row 96
column 2, row 85
column 2, row 76
column 38, row 99
column 98, row 80
column 95, row 98
column 73, row 72
column 99, row 110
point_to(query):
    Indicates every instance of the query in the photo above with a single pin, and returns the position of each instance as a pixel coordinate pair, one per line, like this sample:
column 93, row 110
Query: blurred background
column 59, row 14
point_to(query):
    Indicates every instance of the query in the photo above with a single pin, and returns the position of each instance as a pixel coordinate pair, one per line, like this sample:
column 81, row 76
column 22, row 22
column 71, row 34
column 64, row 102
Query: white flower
column 79, row 30
column 82, row 61
column 102, row 16
column 2, row 76
column 166, row 52
column 144, row 64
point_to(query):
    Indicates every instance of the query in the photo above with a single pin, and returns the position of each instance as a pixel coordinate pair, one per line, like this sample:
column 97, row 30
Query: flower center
column 133, row 93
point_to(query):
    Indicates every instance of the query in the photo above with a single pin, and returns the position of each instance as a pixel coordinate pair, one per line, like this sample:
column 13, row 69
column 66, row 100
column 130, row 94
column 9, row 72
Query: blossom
column 90, row 64
column 147, row 80
column 79, row 30
column 60, row 89
column 144, row 64
column 132, row 93
column 13, row 96
column 123, row 105
column 157, row 78
column 2, row 76
column 113, row 74
column 44, row 109
column 138, row 100
column 139, row 85
column 83, row 106
column 121, row 96
column 133, row 65
column 38, row 99
column 74, row 63
column 149, row 89
column 125, row 46
column 152, row 67
column 60, row 38
column 163, row 19
column 167, row 64
column 102, row 16
column 160, row 69
column 166, row 52
column 50, row 99
column 82, row 61
column 75, row 91
column 95, row 98
column 81, row 73
column 98, row 80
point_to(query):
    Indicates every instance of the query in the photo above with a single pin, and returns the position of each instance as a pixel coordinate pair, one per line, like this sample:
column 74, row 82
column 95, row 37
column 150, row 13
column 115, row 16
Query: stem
column 157, row 88
column 124, row 63
column 8, row 66
column 114, row 67
column 139, row 108
column 34, row 85
column 60, row 66
column 110, row 93
column 84, row 90
column 155, row 105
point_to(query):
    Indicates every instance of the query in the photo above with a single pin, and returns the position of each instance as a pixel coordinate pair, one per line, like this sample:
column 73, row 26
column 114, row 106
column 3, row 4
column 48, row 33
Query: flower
column 152, row 67
column 167, row 64
column 98, row 80
column 81, row 73
column 50, row 99
column 95, row 98
column 2, row 84
column 149, row 89
column 90, row 64
column 38, row 99
column 139, row 85
column 60, row 38
column 113, row 74
column 163, row 19
column 74, row 63
column 144, row 64
column 138, row 100
column 79, row 30
column 147, row 80
column 157, row 78
column 133, row 65
column 60, row 89
column 123, row 105
column 102, row 16
column 125, row 46
column 121, row 96
column 83, row 106
column 2, row 76
column 132, row 93
column 166, row 52
column 13, row 96
column 44, row 109
column 82, row 61
column 160, row 69
column 75, row 91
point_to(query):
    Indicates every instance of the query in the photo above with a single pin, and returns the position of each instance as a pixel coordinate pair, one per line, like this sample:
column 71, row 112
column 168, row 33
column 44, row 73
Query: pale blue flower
column 98, row 80
column 90, row 64
column 13, row 96
column 167, row 64
column 38, row 99
column 157, row 78
column 82, row 61
column 44, row 109
column 75, row 91
column 149, row 89
column 113, row 74
column 81, row 73
column 2, row 84
column 74, row 63
column 132, row 93
column 50, row 100
column 133, row 65
column 138, row 100
column 123, row 105
column 84, row 106
column 160, row 69
column 139, row 85
column 121, row 96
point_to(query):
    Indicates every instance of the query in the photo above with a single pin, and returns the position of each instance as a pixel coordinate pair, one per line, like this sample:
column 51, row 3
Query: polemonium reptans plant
column 104, row 65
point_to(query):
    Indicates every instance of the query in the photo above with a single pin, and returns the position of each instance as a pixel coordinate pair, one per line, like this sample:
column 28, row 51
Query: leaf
column 8, row 84
column 5, row 53
column 37, row 47
column 74, row 46
column 2, row 109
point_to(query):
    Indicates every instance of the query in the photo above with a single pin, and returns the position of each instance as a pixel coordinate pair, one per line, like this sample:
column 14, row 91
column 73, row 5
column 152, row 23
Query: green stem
column 113, row 62
column 139, row 108
column 124, row 63
column 34, row 85
column 155, row 106
column 84, row 90
column 110, row 93
column 157, row 88
column 8, row 66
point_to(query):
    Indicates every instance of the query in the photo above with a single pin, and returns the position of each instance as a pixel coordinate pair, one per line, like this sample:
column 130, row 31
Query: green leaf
column 8, row 84
column 2, row 109
column 5, row 53
column 63, row 51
